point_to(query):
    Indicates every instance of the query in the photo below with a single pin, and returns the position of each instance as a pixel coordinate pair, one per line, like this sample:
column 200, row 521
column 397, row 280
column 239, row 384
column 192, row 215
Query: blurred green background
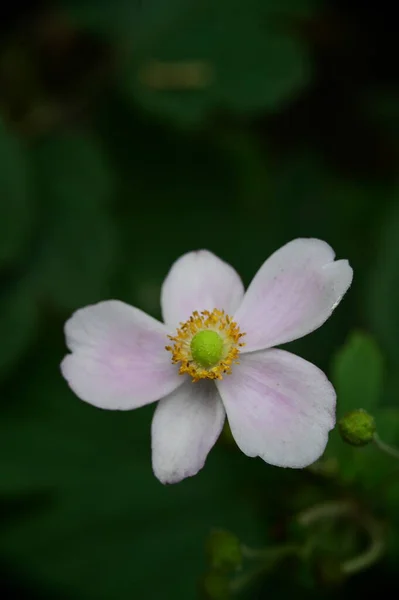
column 134, row 131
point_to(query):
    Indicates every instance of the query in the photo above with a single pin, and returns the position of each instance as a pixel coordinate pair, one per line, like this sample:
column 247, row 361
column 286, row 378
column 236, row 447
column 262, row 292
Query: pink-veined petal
column 199, row 281
column 280, row 407
column 118, row 358
column 185, row 427
column 293, row 293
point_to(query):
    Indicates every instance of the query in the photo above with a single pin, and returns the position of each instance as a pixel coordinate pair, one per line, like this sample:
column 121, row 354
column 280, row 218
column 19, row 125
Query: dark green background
column 104, row 181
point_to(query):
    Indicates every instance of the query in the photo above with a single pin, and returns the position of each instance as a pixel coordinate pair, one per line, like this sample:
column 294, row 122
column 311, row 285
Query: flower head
column 214, row 356
column 206, row 345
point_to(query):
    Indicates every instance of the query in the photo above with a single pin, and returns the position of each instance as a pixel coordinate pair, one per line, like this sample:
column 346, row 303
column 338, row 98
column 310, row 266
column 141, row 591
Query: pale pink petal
column 185, row 427
column 199, row 281
column 280, row 407
column 118, row 358
column 293, row 293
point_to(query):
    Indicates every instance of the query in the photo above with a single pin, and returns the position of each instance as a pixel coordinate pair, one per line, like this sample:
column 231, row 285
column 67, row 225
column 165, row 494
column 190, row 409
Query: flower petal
column 293, row 293
column 280, row 407
column 199, row 281
column 118, row 358
column 185, row 427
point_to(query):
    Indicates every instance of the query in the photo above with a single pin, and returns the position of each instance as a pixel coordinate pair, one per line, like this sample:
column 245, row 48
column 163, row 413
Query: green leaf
column 80, row 243
column 357, row 374
column 217, row 55
column 15, row 203
column 109, row 529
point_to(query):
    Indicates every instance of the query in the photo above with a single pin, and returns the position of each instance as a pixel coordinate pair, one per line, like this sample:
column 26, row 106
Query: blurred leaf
column 15, row 203
column 79, row 240
column 323, row 200
column 387, row 481
column 141, row 21
column 368, row 466
column 215, row 586
column 357, row 374
column 382, row 292
column 131, row 23
column 371, row 464
column 308, row 198
column 18, row 323
column 181, row 193
column 292, row 8
column 112, row 531
column 382, row 106
column 218, row 55
column 101, row 16
column 224, row 551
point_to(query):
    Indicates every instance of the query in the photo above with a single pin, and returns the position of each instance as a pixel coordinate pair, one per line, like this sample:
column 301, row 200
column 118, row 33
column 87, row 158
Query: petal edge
column 280, row 407
column 118, row 359
column 199, row 281
column 293, row 293
column 185, row 427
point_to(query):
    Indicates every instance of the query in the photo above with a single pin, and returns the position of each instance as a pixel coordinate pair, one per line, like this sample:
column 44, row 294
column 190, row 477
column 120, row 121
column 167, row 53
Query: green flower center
column 207, row 348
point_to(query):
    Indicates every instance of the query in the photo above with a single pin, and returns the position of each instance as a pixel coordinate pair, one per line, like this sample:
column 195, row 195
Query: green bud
column 215, row 586
column 207, row 348
column 224, row 551
column 357, row 427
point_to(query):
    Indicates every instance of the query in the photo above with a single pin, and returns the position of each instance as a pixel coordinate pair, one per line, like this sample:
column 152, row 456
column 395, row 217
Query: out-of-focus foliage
column 74, row 197
column 16, row 214
column 358, row 374
column 131, row 132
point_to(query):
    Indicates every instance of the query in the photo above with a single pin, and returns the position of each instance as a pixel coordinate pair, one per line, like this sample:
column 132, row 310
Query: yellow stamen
column 216, row 321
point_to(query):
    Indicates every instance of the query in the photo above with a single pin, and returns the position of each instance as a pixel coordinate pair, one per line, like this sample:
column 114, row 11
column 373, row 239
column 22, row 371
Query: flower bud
column 224, row 551
column 357, row 427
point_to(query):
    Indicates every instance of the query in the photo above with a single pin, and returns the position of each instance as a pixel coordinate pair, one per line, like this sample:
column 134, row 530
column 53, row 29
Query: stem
column 369, row 556
column 268, row 556
column 390, row 450
column 333, row 510
column 328, row 510
column 239, row 583
column 270, row 553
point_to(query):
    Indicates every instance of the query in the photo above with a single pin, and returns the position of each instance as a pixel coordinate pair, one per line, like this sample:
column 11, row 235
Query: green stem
column 333, row 510
column 327, row 510
column 372, row 554
column 270, row 554
column 390, row 450
column 241, row 582
column 268, row 557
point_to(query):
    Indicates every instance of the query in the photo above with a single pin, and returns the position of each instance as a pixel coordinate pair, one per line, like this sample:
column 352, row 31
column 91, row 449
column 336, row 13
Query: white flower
column 279, row 406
